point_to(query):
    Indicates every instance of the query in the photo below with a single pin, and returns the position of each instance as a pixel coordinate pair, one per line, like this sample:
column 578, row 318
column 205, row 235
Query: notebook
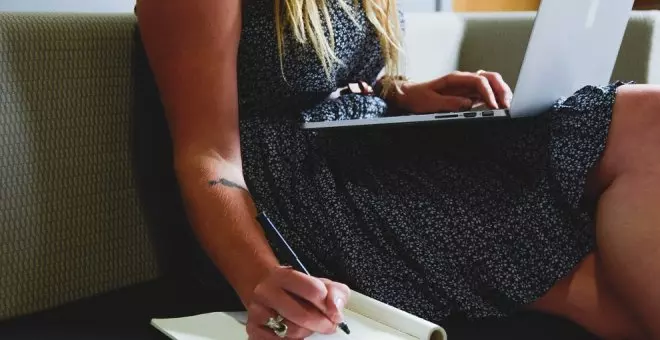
column 366, row 317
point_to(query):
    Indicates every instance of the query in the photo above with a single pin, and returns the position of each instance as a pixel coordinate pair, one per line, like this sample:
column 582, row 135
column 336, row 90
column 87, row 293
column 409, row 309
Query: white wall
column 67, row 5
column 426, row 5
column 417, row 5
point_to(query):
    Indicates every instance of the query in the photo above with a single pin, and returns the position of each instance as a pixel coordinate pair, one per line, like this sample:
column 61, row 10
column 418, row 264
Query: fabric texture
column 70, row 221
column 477, row 219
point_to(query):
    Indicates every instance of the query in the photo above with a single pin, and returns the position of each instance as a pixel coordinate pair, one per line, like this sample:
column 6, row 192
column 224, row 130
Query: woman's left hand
column 458, row 91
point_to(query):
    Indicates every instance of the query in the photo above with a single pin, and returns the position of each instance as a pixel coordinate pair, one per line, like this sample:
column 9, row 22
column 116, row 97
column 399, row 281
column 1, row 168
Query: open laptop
column 574, row 43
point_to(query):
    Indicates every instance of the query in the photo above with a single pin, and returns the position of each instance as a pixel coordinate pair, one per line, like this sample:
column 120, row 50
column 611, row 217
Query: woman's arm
column 192, row 49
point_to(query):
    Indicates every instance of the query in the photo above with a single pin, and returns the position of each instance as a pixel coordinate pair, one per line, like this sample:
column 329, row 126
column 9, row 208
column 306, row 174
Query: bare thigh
column 585, row 295
column 585, row 298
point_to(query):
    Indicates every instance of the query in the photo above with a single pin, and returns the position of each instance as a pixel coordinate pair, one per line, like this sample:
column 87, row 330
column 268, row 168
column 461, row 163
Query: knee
column 641, row 94
column 634, row 139
column 637, row 111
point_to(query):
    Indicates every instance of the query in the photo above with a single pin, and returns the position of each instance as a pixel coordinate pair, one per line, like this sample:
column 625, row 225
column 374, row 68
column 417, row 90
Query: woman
column 556, row 214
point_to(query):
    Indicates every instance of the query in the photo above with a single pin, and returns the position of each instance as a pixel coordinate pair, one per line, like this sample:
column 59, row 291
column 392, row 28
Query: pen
column 291, row 257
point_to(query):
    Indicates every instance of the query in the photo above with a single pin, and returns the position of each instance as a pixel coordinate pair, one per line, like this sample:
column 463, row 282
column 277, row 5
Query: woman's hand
column 458, row 91
column 308, row 305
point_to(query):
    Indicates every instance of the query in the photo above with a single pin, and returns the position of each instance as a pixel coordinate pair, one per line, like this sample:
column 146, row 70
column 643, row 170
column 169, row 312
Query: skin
column 192, row 48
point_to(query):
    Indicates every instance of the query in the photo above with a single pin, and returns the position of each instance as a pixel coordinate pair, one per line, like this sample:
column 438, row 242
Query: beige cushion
column 70, row 222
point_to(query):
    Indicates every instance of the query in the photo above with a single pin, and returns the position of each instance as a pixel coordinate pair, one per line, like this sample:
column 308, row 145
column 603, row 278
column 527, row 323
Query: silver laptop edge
column 409, row 119
column 572, row 44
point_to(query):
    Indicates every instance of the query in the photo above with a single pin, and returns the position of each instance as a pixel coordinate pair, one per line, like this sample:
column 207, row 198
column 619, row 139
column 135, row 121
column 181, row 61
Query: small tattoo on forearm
column 227, row 183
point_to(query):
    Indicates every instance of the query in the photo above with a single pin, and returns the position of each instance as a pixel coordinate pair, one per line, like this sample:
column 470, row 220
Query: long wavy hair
column 308, row 21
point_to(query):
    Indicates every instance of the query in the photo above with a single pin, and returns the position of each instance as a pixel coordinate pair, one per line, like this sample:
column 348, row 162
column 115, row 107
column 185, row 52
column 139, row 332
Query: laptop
column 573, row 43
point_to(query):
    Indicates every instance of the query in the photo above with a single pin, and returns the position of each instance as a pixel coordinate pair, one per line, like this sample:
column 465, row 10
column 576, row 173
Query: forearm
column 192, row 48
column 222, row 214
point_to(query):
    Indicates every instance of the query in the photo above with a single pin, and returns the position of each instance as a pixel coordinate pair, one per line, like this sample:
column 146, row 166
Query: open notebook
column 367, row 318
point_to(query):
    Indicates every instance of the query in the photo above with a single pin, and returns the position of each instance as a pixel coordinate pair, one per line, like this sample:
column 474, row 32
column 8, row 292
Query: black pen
column 292, row 259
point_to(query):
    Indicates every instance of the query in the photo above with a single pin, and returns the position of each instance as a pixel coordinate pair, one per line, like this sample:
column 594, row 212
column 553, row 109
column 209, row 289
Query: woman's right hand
column 308, row 305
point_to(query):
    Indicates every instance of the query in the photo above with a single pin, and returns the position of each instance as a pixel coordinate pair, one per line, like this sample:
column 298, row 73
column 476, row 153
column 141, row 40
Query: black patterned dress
column 477, row 219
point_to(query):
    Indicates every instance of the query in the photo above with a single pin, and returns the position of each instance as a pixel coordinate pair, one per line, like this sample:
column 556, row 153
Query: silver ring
column 276, row 324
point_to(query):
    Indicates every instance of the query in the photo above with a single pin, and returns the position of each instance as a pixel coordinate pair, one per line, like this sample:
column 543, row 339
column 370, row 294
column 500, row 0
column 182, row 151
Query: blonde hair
column 309, row 19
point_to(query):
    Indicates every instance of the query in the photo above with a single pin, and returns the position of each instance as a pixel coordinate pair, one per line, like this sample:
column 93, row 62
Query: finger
column 451, row 103
column 257, row 332
column 338, row 295
column 259, row 315
column 366, row 88
column 303, row 286
column 337, row 285
column 478, row 83
column 479, row 106
column 299, row 312
column 500, row 87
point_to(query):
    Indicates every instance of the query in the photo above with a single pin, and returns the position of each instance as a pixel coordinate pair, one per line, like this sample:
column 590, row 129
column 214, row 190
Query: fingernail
column 339, row 303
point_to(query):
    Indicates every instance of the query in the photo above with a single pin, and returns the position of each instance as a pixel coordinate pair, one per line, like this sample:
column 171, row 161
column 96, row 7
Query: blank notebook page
column 221, row 326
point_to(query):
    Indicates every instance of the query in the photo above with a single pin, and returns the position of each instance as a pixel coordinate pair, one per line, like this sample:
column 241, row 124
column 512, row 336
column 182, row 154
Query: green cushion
column 70, row 221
